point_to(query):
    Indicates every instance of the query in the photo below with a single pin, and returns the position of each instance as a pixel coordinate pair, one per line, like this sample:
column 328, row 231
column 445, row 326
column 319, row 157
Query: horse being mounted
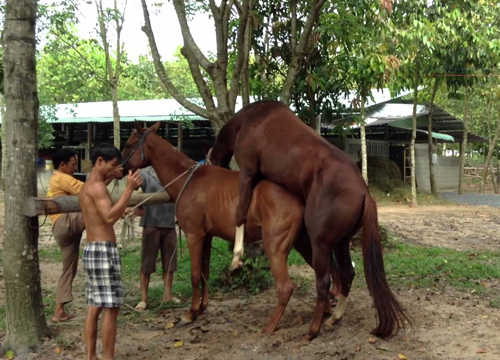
column 206, row 201
column 268, row 140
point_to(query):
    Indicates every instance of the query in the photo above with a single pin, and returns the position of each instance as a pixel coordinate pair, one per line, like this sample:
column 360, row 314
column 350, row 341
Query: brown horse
column 207, row 208
column 268, row 140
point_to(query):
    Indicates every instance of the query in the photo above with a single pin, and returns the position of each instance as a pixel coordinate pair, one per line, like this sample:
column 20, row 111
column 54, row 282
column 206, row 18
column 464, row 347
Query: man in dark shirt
column 158, row 222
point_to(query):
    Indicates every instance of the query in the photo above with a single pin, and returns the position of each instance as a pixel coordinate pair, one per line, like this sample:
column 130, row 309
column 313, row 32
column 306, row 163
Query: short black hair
column 62, row 156
column 107, row 151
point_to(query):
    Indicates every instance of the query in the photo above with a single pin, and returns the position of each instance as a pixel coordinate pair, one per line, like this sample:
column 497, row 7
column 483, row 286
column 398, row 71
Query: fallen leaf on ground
column 481, row 351
column 57, row 350
column 178, row 344
column 372, row 340
column 406, row 339
column 383, row 348
column 170, row 325
column 402, row 357
column 9, row 354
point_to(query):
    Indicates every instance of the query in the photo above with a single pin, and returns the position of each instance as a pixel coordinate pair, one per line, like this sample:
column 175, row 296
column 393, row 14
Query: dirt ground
column 457, row 227
column 448, row 325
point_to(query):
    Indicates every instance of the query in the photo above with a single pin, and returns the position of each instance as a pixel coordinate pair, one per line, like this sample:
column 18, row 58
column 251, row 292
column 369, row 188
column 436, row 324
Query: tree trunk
column 2, row 175
column 298, row 50
column 490, row 141
column 432, row 173
column 494, row 179
column 364, row 155
column 413, row 138
column 24, row 313
column 491, row 150
column 463, row 148
column 116, row 115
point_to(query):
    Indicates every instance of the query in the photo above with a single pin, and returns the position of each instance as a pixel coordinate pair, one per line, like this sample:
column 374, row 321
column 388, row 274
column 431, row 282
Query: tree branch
column 221, row 37
column 83, row 57
column 298, row 51
column 160, row 70
column 240, row 46
column 119, row 45
column 188, row 38
column 104, row 39
column 202, row 86
column 245, row 76
column 293, row 37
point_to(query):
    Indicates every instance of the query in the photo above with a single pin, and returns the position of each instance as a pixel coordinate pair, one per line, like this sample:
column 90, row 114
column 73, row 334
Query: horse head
column 134, row 153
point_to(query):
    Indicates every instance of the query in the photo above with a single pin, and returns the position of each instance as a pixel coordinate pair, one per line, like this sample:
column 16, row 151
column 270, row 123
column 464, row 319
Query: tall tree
column 414, row 36
column 221, row 77
column 106, row 17
column 23, row 295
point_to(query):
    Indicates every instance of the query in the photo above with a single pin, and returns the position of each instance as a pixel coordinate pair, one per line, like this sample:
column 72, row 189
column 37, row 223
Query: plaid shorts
column 103, row 270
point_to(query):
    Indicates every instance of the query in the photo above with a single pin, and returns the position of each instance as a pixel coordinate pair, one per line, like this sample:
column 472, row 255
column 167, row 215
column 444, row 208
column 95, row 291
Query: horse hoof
column 187, row 319
column 266, row 330
column 236, row 265
column 307, row 338
column 236, row 268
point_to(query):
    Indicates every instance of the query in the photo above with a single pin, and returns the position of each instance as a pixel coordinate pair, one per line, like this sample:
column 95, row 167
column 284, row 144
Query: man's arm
column 109, row 212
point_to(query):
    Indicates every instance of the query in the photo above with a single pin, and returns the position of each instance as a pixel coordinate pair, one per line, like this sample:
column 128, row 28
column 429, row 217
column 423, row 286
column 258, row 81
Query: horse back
column 211, row 200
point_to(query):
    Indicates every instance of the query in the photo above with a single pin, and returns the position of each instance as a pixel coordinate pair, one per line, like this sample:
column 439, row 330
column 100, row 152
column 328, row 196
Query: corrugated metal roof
column 161, row 109
column 395, row 111
column 143, row 110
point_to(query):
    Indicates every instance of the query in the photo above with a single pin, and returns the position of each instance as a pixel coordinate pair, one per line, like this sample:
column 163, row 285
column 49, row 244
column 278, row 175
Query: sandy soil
column 448, row 325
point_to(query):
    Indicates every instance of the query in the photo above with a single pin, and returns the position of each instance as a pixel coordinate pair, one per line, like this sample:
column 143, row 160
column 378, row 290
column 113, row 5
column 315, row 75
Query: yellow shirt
column 61, row 184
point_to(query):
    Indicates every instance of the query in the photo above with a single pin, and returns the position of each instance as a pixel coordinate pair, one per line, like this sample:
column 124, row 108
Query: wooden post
column 69, row 134
column 179, row 137
column 35, row 206
column 90, row 133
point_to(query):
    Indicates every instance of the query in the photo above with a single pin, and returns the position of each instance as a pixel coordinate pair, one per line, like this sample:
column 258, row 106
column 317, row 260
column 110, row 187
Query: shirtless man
column 101, row 260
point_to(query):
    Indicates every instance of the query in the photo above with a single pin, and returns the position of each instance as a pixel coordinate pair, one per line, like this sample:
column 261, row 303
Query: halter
column 140, row 145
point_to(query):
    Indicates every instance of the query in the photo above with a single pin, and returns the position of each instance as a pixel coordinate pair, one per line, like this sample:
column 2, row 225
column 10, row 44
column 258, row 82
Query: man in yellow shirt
column 66, row 228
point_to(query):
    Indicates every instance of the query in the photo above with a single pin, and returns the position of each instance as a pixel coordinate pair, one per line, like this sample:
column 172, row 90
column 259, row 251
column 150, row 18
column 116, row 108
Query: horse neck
column 169, row 164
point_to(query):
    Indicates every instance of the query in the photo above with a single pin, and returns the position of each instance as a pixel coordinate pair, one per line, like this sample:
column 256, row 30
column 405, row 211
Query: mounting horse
column 206, row 201
column 269, row 140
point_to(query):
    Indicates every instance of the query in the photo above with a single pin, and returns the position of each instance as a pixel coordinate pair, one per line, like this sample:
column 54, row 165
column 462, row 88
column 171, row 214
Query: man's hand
column 139, row 211
column 134, row 180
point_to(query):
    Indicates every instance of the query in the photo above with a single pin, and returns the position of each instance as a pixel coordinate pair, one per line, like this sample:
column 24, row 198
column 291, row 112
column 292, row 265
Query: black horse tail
column 391, row 315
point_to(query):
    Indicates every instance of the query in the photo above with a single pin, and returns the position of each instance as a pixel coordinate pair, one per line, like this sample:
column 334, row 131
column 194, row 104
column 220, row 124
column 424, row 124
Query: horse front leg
column 247, row 184
column 195, row 245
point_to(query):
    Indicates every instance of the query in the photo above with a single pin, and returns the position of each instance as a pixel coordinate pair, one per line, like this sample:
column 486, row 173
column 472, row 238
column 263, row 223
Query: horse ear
column 155, row 127
column 138, row 127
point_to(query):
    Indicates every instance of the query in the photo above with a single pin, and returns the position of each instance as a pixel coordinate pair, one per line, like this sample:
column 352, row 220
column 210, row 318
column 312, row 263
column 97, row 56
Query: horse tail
column 391, row 315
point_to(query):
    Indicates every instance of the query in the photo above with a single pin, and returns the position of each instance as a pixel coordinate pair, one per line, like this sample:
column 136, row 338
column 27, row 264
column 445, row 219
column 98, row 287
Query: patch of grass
column 294, row 258
column 3, row 325
column 402, row 195
column 50, row 254
column 433, row 267
column 255, row 276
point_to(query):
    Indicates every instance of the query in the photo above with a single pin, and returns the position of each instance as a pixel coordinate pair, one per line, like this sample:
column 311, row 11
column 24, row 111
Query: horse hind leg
column 277, row 252
column 304, row 248
column 343, row 256
column 195, row 245
column 207, row 250
column 321, row 265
